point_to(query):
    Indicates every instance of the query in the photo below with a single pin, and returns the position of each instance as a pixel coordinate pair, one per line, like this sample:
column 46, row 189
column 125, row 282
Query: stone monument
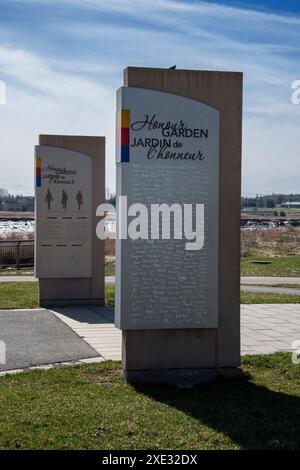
column 179, row 157
column 69, row 186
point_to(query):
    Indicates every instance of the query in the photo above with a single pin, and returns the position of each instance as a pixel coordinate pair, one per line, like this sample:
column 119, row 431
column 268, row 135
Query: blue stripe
column 125, row 153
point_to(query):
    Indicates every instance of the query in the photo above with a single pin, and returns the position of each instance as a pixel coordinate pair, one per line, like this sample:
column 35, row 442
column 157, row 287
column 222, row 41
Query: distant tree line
column 269, row 201
column 11, row 197
column 11, row 203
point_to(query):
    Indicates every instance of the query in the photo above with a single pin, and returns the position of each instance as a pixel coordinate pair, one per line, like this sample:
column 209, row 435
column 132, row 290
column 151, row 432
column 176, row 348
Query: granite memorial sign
column 66, row 198
column 168, row 153
column 64, row 213
column 178, row 170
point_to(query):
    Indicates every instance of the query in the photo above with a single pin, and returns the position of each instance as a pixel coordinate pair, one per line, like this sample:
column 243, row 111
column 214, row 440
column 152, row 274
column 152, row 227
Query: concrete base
column 184, row 378
column 70, row 302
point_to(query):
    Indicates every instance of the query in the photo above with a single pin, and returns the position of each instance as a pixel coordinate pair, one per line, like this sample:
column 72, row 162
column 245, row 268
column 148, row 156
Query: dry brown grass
column 110, row 247
column 16, row 215
column 264, row 242
column 271, row 241
column 17, row 236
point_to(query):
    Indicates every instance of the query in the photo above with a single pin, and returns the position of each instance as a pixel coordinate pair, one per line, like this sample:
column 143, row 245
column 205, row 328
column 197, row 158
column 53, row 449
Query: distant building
column 291, row 205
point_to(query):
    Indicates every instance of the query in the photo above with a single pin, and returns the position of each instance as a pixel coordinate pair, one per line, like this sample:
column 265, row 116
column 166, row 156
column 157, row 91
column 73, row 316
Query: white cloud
column 42, row 100
column 48, row 94
column 144, row 7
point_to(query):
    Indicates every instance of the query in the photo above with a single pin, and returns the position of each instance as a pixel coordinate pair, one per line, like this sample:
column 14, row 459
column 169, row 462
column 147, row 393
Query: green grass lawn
column 109, row 295
column 25, row 295
column 90, row 407
column 280, row 266
column 262, row 298
column 18, row 295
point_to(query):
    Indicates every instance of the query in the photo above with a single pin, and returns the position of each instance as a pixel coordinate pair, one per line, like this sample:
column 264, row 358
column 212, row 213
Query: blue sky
column 62, row 60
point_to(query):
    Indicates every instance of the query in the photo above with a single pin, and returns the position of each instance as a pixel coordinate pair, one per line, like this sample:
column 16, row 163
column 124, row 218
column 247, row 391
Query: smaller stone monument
column 69, row 186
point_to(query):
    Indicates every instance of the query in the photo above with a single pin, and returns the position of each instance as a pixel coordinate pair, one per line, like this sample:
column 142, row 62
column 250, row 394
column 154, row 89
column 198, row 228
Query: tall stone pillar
column 179, row 309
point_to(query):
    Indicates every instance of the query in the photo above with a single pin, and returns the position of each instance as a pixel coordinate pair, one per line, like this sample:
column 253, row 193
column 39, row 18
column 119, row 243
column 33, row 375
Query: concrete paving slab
column 264, row 326
column 96, row 328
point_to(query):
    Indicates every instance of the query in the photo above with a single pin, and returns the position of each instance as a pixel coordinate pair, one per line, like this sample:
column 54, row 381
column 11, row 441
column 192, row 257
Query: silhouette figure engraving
column 64, row 199
column 48, row 199
column 79, row 199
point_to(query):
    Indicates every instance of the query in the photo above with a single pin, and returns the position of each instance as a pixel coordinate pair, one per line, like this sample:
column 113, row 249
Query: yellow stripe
column 123, row 118
column 38, row 162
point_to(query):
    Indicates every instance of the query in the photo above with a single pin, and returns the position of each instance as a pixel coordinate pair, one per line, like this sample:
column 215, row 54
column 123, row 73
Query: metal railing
column 17, row 253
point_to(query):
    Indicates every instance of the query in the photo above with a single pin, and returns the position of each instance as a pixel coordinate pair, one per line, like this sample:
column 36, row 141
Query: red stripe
column 38, row 172
column 124, row 136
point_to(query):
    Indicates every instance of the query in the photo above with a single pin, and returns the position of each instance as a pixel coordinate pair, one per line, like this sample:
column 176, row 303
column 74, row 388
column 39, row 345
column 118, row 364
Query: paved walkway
column 265, row 328
column 108, row 279
column 245, row 280
column 37, row 337
column 268, row 328
column 270, row 290
column 96, row 326
column 271, row 280
column 18, row 279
